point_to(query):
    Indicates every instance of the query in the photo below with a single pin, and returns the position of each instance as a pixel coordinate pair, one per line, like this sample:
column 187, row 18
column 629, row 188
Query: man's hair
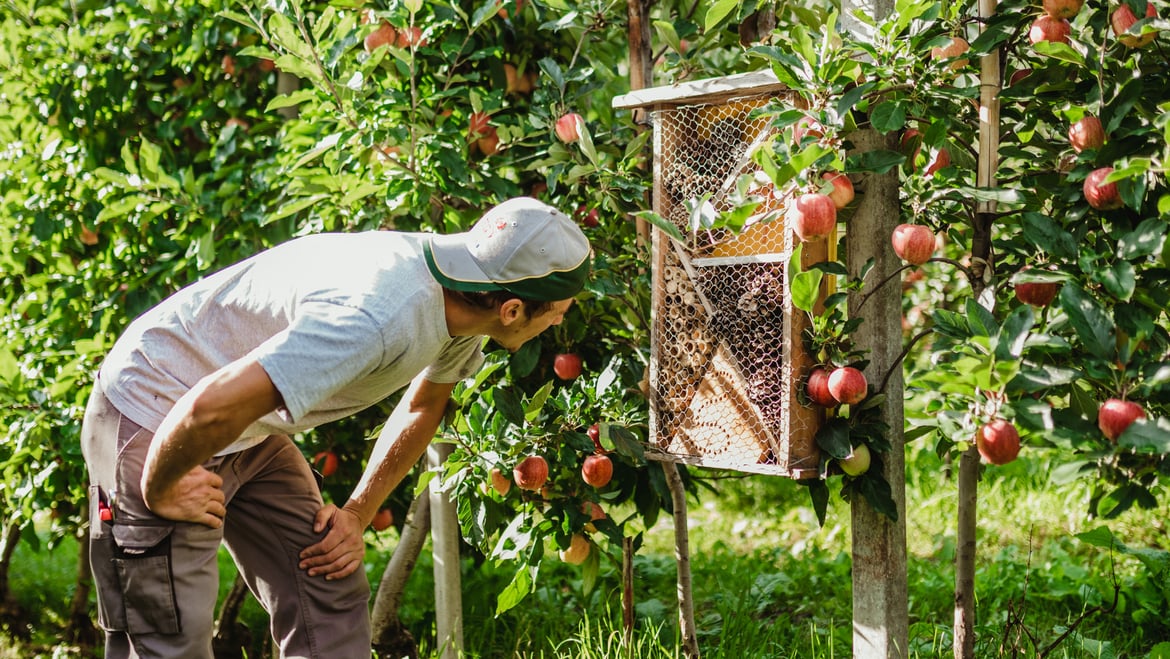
column 493, row 299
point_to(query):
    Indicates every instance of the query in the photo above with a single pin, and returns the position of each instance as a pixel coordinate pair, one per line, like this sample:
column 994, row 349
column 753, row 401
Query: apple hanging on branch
column 998, row 442
column 1086, row 133
column 847, row 385
column 1102, row 197
column 567, row 365
column 1116, row 415
column 531, row 473
column 813, row 215
column 913, row 243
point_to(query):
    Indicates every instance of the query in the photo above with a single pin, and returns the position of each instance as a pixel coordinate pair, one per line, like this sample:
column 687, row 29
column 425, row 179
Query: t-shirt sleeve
column 458, row 361
column 326, row 347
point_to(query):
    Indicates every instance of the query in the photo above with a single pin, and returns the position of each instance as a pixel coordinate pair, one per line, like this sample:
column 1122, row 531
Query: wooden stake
column 682, row 553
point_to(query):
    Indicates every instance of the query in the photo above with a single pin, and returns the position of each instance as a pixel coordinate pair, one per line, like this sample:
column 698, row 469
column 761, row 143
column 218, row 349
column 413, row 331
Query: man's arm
column 403, row 440
column 206, row 419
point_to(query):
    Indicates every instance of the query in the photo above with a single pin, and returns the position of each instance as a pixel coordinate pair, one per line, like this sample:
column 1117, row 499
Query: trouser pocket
column 132, row 569
column 111, row 610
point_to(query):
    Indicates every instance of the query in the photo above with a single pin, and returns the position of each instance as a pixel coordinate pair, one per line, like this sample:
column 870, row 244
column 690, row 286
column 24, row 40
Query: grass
column 770, row 582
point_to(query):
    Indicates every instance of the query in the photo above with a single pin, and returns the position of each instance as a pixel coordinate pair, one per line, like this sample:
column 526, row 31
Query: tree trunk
column 10, row 611
column 641, row 75
column 628, row 594
column 682, row 553
column 981, row 268
column 391, row 638
column 232, row 638
column 880, row 599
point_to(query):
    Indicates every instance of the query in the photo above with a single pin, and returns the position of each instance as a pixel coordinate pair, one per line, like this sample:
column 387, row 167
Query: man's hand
column 342, row 550
column 196, row 497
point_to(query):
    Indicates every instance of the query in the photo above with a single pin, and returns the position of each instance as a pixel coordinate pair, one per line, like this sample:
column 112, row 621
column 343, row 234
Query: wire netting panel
column 726, row 353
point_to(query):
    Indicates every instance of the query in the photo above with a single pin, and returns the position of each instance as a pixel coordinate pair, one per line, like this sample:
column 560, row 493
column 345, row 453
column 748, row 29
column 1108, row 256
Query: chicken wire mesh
column 726, row 353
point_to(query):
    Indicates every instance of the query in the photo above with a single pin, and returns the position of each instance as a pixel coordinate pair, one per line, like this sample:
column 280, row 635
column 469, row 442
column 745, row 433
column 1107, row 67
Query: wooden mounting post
column 682, row 554
column 445, row 544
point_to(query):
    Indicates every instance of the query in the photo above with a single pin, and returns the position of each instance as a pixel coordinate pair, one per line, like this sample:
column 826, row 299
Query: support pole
column 880, row 600
column 682, row 554
column 990, row 81
column 445, row 544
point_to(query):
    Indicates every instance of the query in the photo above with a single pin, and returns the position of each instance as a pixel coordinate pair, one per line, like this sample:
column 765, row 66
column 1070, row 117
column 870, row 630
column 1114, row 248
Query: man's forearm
column 403, row 440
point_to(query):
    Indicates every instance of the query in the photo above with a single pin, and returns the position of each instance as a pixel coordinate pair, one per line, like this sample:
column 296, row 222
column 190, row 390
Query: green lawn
column 770, row 582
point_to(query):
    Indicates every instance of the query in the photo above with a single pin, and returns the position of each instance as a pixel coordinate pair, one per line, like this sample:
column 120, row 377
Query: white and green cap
column 523, row 246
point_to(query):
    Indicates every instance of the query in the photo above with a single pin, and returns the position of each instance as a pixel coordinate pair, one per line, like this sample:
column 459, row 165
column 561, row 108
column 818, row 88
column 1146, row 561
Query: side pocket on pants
column 142, row 561
column 111, row 609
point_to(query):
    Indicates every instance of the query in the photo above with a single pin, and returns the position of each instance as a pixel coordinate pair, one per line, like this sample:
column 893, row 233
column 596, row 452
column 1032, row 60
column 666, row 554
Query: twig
column 898, row 360
column 937, row 259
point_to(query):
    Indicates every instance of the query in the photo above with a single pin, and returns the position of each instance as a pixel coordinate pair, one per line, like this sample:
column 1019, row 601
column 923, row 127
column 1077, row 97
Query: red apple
column 326, row 462
column 228, row 64
column 478, row 123
column 938, row 160
column 266, row 65
column 587, row 216
column 817, row 387
column 594, row 433
column 531, row 473
column 813, row 215
column 913, row 243
column 956, row 47
column 503, row 12
column 382, row 520
column 1086, row 133
column 1062, row 8
column 500, row 483
column 595, row 513
column 998, row 442
column 411, row 36
column 1018, row 75
column 597, row 470
column 1047, row 28
column 857, row 462
column 1123, row 19
column 848, row 385
column 807, row 127
column 567, row 365
column 842, row 191
column 383, row 36
column 577, row 551
column 1037, row 293
column 1115, row 416
column 1102, row 197
column 489, row 143
column 88, row 236
column 569, row 127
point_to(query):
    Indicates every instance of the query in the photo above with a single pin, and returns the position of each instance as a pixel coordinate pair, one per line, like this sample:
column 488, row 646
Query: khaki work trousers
column 157, row 580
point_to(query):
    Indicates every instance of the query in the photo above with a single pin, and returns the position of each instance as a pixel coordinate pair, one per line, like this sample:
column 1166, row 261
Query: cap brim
column 453, row 266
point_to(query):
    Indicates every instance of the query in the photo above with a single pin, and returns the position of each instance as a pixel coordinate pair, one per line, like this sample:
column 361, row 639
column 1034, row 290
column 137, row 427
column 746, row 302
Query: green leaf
column 1142, row 241
column 1059, row 51
column 536, row 403
column 663, row 224
column 877, row 492
column 833, row 438
column 9, row 367
column 1047, row 235
column 515, row 591
column 1099, row 537
column 523, row 361
column 1147, row 436
column 851, row 97
column 508, row 404
column 1014, row 332
column 878, row 161
column 806, row 288
column 951, row 324
column 148, row 157
column 1031, row 378
column 286, row 100
column 818, row 492
column 980, row 320
column 888, row 116
column 1119, row 280
column 1090, row 321
column 1067, row 472
column 718, row 12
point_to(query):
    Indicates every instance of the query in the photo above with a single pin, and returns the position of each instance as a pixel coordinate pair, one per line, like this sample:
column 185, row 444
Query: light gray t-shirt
column 338, row 321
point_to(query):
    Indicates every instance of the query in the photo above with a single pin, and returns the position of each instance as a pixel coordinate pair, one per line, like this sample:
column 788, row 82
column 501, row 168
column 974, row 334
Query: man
column 187, row 433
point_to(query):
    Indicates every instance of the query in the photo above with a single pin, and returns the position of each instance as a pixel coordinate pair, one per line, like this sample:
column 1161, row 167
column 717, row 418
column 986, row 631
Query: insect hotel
column 726, row 356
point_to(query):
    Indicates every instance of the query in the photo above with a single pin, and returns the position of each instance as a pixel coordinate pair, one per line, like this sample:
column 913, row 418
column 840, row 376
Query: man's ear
column 511, row 311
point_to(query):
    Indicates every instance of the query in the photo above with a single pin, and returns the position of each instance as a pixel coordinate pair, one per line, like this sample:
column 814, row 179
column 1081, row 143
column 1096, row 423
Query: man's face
column 516, row 333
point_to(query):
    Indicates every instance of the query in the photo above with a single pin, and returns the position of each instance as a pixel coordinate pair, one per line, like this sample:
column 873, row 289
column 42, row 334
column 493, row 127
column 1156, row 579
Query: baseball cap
column 523, row 246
